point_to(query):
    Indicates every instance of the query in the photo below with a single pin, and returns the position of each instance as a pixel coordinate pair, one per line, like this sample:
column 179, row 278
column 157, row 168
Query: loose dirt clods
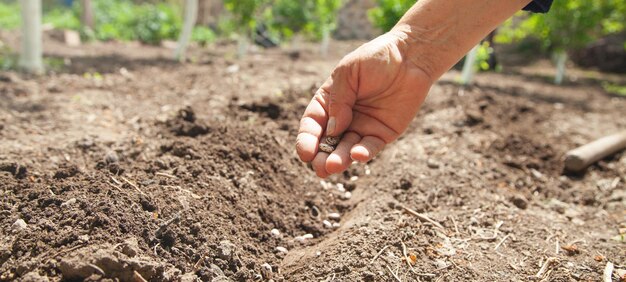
column 221, row 172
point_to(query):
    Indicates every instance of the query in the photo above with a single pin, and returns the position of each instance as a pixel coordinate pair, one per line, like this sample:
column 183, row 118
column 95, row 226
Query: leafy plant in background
column 62, row 19
column 324, row 21
column 122, row 20
column 9, row 15
column 155, row 23
column 203, row 35
column 568, row 26
column 244, row 13
column 482, row 56
column 288, row 17
column 388, row 12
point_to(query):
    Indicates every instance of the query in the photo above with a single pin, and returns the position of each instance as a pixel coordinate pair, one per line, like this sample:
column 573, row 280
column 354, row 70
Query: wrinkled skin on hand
column 370, row 98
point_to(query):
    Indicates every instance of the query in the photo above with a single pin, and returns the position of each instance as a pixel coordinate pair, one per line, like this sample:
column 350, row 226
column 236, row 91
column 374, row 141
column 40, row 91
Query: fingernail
column 330, row 128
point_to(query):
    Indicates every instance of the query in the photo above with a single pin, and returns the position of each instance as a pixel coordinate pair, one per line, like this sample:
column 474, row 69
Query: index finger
column 312, row 127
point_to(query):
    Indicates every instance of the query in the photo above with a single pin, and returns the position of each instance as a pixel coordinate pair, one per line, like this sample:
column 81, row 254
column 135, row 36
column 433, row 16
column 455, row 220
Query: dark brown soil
column 178, row 172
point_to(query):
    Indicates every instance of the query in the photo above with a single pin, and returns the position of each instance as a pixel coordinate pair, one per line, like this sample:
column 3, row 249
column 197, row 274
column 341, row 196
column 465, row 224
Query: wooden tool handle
column 583, row 156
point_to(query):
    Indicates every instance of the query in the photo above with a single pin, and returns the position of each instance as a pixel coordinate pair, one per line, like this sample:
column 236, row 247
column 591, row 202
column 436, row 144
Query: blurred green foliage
column 123, row 20
column 245, row 14
column 115, row 20
column 203, row 35
column 388, row 13
column 62, row 19
column 615, row 89
column 282, row 18
column 324, row 20
column 482, row 56
column 569, row 25
column 9, row 15
column 288, row 17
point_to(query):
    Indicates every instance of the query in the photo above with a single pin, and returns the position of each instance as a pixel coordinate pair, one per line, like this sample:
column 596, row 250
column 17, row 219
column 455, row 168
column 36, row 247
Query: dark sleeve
column 539, row 6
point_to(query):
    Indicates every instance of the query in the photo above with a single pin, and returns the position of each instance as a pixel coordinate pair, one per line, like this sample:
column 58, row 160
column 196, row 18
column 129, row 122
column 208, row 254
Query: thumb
column 341, row 100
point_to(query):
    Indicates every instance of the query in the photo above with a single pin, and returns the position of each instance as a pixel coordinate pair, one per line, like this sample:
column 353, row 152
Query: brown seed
column 332, row 140
column 326, row 148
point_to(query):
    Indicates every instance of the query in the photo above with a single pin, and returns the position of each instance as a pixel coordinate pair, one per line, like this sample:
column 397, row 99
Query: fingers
column 340, row 159
column 311, row 129
column 319, row 165
column 342, row 98
column 367, row 148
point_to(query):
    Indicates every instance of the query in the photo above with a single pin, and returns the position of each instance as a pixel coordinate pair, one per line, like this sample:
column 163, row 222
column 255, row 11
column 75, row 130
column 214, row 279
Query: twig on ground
column 165, row 175
column 96, row 268
column 133, row 185
column 547, row 278
column 166, row 224
column 545, row 266
column 116, row 181
column 137, row 277
column 456, row 228
column 115, row 186
column 195, row 265
column 406, row 256
column 496, row 229
column 608, row 272
column 501, row 242
column 422, row 217
column 378, row 254
column 556, row 245
column 394, row 275
column 155, row 249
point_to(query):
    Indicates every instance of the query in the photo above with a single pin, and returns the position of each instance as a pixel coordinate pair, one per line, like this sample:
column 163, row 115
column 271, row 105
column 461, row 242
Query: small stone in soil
column 266, row 270
column 275, row 232
column 111, row 157
column 519, row 201
column 340, row 187
column 327, row 224
column 334, row 216
column 432, row 164
column 347, row 196
column 69, row 202
column 19, row 225
column 282, row 249
column 226, row 250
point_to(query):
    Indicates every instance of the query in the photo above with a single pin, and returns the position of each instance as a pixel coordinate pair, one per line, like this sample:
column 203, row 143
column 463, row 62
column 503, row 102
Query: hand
column 370, row 98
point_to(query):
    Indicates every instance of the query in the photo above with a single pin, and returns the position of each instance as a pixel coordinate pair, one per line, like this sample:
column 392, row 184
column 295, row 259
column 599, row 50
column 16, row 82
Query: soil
column 124, row 166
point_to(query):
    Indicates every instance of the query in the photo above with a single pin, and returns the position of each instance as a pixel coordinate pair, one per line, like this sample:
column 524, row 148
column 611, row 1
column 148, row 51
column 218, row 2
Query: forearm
column 437, row 33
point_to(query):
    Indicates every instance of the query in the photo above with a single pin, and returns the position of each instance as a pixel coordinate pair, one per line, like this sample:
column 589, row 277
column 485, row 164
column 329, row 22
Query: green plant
column 388, row 13
column 202, row 35
column 288, row 17
column 614, row 88
column 123, row 20
column 9, row 15
column 482, row 56
column 155, row 23
column 324, row 18
column 570, row 25
column 244, row 13
column 62, row 19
